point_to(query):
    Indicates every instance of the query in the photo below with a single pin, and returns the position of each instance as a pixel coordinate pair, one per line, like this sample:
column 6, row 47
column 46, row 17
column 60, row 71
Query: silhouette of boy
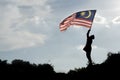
column 88, row 46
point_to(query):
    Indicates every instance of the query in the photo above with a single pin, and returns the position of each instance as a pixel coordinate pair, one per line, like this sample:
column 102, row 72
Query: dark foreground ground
column 20, row 70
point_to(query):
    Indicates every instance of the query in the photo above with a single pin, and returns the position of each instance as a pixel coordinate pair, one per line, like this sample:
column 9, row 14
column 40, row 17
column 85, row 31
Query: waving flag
column 82, row 18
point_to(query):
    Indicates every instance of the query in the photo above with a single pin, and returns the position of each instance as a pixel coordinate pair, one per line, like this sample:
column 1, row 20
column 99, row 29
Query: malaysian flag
column 82, row 18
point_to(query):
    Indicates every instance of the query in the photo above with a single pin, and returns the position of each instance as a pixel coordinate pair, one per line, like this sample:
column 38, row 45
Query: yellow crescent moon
column 89, row 14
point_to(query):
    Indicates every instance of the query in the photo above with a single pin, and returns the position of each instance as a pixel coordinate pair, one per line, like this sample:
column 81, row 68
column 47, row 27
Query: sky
column 29, row 30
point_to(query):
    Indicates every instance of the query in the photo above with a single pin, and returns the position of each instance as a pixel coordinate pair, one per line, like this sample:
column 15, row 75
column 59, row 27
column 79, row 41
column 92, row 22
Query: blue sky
column 29, row 30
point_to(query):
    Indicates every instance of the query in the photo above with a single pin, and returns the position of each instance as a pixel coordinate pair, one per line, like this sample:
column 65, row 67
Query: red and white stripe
column 71, row 20
column 81, row 22
column 66, row 22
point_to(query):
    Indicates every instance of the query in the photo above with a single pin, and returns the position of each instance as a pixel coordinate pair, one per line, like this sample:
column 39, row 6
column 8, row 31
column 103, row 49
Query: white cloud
column 17, row 14
column 116, row 20
column 36, row 19
column 80, row 47
column 21, row 39
column 100, row 19
column 25, row 2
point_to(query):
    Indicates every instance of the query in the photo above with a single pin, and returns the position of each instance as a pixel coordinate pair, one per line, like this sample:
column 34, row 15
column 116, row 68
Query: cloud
column 20, row 39
column 18, row 21
column 100, row 20
column 116, row 20
column 24, row 2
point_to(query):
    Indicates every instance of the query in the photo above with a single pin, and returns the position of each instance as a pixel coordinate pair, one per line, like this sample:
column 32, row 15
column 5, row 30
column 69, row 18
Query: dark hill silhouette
column 109, row 69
